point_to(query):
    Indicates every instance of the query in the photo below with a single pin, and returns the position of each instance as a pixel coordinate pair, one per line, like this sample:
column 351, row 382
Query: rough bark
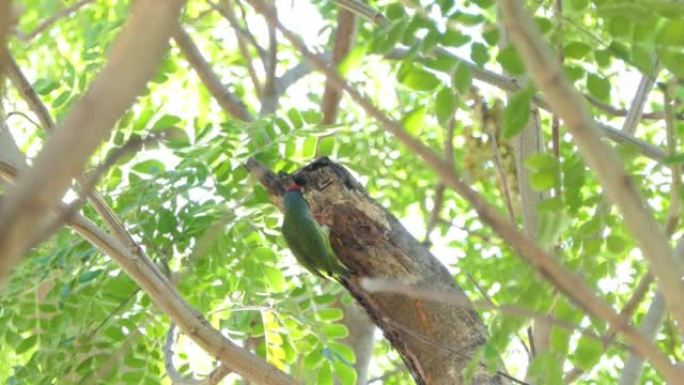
column 435, row 340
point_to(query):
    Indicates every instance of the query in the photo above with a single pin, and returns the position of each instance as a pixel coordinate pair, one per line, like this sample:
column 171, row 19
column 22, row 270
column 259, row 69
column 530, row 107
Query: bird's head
column 294, row 187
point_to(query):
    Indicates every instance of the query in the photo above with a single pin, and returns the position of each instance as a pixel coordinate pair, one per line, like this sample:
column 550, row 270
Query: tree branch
column 619, row 187
column 28, row 93
column 508, row 84
column 345, row 34
column 213, row 378
column 146, row 274
column 566, row 281
column 132, row 61
column 269, row 97
column 226, row 9
column 228, row 102
column 382, row 285
column 636, row 108
column 47, row 23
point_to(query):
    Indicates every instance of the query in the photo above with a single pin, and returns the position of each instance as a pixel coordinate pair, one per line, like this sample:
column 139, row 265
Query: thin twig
column 439, row 190
column 176, row 378
column 359, row 8
column 229, row 102
column 250, row 36
column 47, row 23
column 269, row 97
column 627, row 312
column 548, row 266
column 87, row 187
column 674, row 211
column 491, row 128
column 638, row 102
column 226, row 9
column 28, row 93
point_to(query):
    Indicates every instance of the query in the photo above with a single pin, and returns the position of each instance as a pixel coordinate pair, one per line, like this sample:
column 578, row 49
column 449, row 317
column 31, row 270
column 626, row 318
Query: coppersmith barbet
column 307, row 240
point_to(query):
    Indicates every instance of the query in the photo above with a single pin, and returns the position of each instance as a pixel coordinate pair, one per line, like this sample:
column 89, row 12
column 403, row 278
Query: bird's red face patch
column 294, row 187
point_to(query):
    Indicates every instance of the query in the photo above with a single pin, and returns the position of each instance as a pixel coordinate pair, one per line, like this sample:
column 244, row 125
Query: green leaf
column 599, row 87
column 602, row 58
column 166, row 121
column 546, row 369
column 510, row 61
column 642, row 57
column 413, row 121
column 445, row 105
column 576, row 50
column 62, row 99
column 353, row 60
column 616, row 244
column 420, row 79
column 167, row 221
column 462, row 78
column 325, row 375
column 330, row 314
column 671, row 34
column 275, row 279
column 491, row 35
column 572, row 72
column 551, row 226
column 88, row 276
column 149, row 167
column 344, row 352
column 309, row 147
column 544, row 171
column 313, row 360
column 516, row 114
column 674, row 159
column 672, row 59
column 26, row 344
column 335, row 331
column 44, row 86
column 326, row 146
column 620, row 27
column 579, row 5
column 295, row 117
column 479, row 54
column 345, row 373
column 454, row 38
column 588, row 353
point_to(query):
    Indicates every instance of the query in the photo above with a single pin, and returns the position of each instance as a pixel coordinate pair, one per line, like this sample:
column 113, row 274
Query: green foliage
column 70, row 315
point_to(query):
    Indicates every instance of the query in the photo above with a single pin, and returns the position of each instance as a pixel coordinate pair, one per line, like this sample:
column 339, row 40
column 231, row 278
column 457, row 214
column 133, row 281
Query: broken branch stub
column 436, row 341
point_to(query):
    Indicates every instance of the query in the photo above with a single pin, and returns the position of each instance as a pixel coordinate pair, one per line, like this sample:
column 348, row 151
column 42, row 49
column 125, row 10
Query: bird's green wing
column 292, row 237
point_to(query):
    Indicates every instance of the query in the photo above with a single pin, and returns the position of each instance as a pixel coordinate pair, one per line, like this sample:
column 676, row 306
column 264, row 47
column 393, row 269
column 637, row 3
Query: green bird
column 307, row 240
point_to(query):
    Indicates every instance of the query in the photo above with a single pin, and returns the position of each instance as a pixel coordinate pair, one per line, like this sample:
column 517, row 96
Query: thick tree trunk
column 435, row 340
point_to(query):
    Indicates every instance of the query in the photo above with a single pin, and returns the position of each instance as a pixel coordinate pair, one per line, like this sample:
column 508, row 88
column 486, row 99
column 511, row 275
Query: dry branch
column 545, row 264
column 132, row 61
column 345, row 34
column 619, row 187
column 372, row 242
column 229, row 102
